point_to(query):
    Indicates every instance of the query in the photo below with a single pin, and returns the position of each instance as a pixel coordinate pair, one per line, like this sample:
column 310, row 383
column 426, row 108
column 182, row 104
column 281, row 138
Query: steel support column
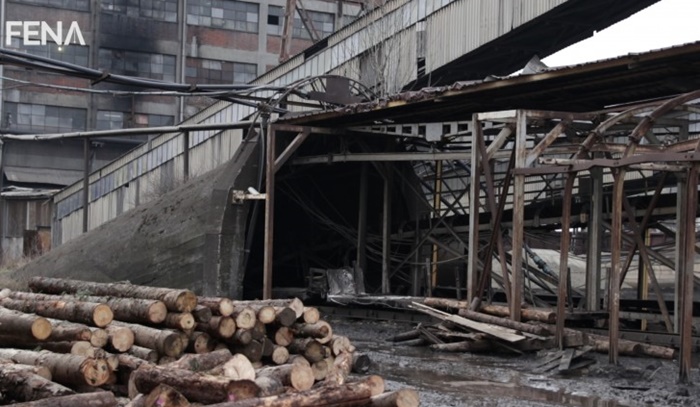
column 681, row 237
column 518, row 215
column 595, row 241
column 474, row 192
column 615, row 266
column 386, row 231
column 564, row 257
column 269, row 212
column 361, row 256
column 86, row 183
column 686, row 266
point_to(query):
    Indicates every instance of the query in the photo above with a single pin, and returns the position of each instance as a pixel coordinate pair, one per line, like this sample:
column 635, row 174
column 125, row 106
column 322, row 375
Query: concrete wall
column 191, row 237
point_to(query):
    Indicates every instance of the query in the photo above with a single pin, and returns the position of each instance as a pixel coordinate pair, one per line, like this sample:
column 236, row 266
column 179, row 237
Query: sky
column 664, row 24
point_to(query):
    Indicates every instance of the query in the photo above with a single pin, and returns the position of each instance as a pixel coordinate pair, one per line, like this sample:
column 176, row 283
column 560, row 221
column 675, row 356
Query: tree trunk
column 463, row 346
column 310, row 348
column 165, row 396
column 528, row 314
column 283, row 336
column 322, row 396
column 505, row 322
column 203, row 361
column 320, row 369
column 295, row 375
column 245, row 317
column 68, row 331
column 145, row 354
column 339, row 372
column 219, row 327
column 201, row 313
column 165, row 342
column 295, row 304
column 179, row 320
column 360, row 363
column 124, row 309
column 258, row 331
column 321, row 331
column 65, row 369
column 280, row 355
column 21, row 383
column 405, row 336
column 238, row 367
column 269, row 386
column 24, row 325
column 121, row 339
column 196, row 387
column 99, row 338
column 398, row 398
column 311, row 315
column 265, row 313
column 76, row 311
column 219, row 306
column 241, row 337
column 285, row 316
column 200, row 342
column 97, row 399
column 253, row 351
column 340, row 344
column 175, row 300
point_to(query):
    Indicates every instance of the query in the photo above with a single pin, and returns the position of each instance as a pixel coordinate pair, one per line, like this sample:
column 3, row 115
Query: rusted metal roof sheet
column 584, row 87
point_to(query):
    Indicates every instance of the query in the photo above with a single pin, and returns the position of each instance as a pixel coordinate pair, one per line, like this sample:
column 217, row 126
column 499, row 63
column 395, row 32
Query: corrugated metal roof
column 583, row 87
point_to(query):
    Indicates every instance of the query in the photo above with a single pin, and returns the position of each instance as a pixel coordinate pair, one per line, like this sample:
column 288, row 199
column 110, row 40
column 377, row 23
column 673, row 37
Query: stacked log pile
column 78, row 343
column 489, row 330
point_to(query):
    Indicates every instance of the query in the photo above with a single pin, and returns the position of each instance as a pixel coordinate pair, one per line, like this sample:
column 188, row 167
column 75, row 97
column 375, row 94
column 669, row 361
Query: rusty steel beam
column 269, row 212
column 546, row 142
column 474, row 193
column 518, row 214
column 614, row 278
column 291, row 149
column 686, row 266
column 564, row 258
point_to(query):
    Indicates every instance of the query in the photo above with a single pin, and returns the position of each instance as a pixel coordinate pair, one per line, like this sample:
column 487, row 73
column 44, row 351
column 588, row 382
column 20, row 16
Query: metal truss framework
column 553, row 151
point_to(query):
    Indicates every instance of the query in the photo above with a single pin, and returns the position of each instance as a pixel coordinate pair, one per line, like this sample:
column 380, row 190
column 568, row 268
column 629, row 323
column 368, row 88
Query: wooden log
column 179, row 320
column 120, row 339
column 295, row 375
column 76, row 311
column 294, row 303
column 218, row 305
column 245, row 317
column 310, row 348
column 200, row 342
column 219, row 327
column 99, row 337
column 405, row 336
column 165, row 342
column 175, row 300
column 97, row 399
column 283, row 336
column 268, row 347
column 253, row 351
column 397, row 398
column 238, row 367
column 321, row 331
column 630, row 348
column 203, row 361
column 21, row 383
column 299, row 359
column 24, row 325
column 139, row 400
column 196, row 387
column 145, row 354
column 202, row 313
column 65, row 369
column 311, row 315
column 165, row 396
column 624, row 348
column 339, row 372
column 340, row 344
column 42, row 371
column 269, row 386
column 343, row 395
column 285, row 316
column 412, row 342
column 265, row 314
column 463, row 346
column 505, row 322
column 258, row 331
column 242, row 336
column 547, row 316
column 320, row 369
column 360, row 363
column 68, row 331
column 124, row 309
column 280, row 355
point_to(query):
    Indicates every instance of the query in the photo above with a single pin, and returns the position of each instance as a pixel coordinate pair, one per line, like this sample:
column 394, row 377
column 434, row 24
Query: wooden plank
column 566, row 358
column 506, row 334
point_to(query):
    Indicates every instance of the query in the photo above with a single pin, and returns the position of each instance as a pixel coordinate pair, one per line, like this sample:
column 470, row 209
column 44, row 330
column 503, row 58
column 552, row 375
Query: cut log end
column 157, row 312
column 95, row 372
column 41, row 328
column 102, row 315
column 245, row 318
column 186, row 301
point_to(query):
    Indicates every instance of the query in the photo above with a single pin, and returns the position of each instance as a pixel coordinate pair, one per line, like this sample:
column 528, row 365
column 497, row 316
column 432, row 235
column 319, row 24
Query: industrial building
column 195, row 42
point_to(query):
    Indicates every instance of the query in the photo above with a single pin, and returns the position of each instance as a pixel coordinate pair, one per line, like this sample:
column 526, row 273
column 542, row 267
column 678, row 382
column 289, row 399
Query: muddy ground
column 463, row 379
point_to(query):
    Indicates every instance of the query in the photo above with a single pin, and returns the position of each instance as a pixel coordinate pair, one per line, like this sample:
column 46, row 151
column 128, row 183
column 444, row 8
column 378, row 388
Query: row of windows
column 28, row 117
column 163, row 10
column 231, row 15
column 73, row 53
column 80, row 5
column 210, row 71
column 133, row 63
column 323, row 23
